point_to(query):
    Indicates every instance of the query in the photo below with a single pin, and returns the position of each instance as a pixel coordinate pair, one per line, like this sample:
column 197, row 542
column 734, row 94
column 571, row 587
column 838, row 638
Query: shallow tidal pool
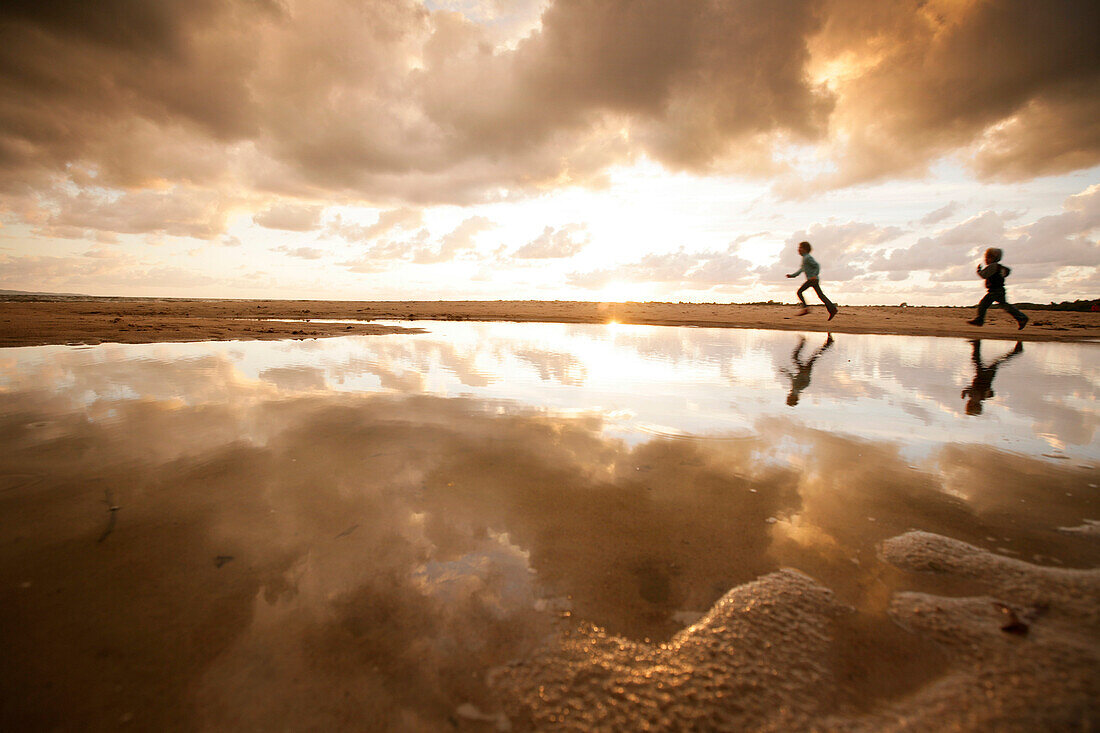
column 495, row 526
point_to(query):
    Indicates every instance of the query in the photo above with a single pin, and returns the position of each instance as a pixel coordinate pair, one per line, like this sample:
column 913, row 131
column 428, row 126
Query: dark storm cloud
column 78, row 82
column 385, row 101
column 133, row 25
column 1019, row 77
column 689, row 79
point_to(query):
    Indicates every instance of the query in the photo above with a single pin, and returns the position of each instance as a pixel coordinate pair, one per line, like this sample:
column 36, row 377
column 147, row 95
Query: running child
column 994, row 274
column 812, row 270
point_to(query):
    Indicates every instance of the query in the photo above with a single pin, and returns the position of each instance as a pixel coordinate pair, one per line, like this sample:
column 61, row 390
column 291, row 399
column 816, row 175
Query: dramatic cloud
column 1050, row 135
column 386, row 100
column 914, row 81
column 208, row 120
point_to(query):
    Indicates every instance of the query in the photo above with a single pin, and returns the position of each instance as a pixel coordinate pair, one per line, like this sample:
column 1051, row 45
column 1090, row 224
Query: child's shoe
column 804, row 312
column 834, row 309
column 1023, row 322
column 977, row 322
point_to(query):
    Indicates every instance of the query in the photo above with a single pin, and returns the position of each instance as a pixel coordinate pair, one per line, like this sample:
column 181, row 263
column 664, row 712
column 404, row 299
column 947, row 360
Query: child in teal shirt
column 812, row 270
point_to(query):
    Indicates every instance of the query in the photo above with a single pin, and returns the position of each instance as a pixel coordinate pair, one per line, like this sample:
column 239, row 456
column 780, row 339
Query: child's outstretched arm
column 796, row 273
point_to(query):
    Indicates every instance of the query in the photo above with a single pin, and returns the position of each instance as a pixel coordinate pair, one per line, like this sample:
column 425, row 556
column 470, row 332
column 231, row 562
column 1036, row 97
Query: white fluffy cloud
column 396, row 219
column 291, row 217
column 303, row 253
column 177, row 211
column 554, row 243
column 842, row 250
column 1064, row 239
column 697, row 270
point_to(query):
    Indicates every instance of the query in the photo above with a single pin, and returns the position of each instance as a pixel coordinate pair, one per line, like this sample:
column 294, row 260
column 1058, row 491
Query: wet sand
column 71, row 320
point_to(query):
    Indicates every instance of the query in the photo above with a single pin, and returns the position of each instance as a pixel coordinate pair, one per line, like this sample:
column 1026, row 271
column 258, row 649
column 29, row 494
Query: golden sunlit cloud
column 584, row 137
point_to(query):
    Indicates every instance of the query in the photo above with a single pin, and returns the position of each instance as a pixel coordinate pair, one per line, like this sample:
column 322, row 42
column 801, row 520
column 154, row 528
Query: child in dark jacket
column 994, row 274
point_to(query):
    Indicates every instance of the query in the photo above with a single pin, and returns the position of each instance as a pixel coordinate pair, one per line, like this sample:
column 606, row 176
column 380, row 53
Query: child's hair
column 993, row 254
column 806, row 245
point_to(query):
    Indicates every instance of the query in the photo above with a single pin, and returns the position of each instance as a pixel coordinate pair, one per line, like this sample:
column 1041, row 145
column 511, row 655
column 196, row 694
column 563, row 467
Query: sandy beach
column 71, row 320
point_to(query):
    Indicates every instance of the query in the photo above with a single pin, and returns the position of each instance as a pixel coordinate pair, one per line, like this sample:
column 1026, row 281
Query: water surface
column 313, row 533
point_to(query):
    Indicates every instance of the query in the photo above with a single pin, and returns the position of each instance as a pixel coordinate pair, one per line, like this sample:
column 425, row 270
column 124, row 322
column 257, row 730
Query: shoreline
column 73, row 320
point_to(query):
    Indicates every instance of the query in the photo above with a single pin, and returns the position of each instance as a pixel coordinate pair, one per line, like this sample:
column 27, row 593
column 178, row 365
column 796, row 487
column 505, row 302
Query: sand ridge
column 40, row 320
column 759, row 658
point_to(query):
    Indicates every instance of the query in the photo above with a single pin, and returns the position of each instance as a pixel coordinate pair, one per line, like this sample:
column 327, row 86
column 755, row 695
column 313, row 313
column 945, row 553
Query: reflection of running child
column 994, row 274
column 800, row 376
column 981, row 387
column 812, row 269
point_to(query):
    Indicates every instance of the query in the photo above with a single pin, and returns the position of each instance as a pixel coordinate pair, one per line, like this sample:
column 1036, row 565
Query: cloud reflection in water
column 401, row 515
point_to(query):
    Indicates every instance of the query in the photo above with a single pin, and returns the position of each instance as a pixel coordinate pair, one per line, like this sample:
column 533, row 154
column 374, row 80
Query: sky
column 549, row 149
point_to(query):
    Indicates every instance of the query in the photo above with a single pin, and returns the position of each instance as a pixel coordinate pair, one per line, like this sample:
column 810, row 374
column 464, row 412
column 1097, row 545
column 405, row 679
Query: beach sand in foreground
column 65, row 320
